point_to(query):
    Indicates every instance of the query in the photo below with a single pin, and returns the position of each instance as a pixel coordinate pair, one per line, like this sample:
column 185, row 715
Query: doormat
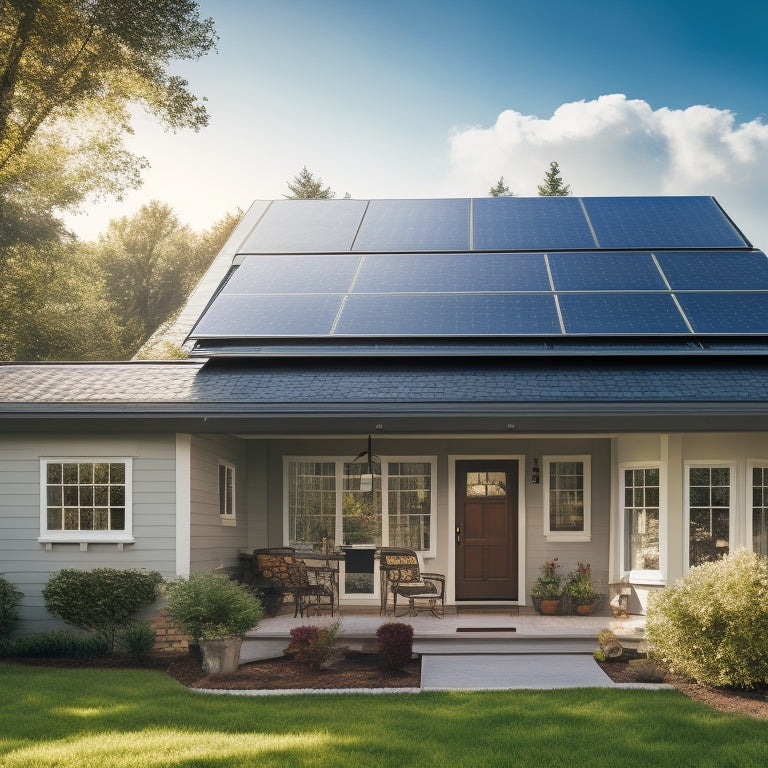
column 486, row 629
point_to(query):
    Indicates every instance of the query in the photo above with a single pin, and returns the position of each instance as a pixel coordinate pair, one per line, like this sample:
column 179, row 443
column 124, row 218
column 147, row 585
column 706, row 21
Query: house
column 581, row 378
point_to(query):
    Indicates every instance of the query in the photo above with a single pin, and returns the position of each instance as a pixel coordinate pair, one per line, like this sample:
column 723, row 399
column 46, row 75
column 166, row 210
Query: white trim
column 733, row 526
column 227, row 518
column 183, row 504
column 450, row 587
column 573, row 536
column 650, row 577
column 86, row 537
column 749, row 523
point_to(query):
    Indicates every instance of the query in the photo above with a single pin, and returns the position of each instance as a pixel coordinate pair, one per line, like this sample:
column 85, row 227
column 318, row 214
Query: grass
column 51, row 718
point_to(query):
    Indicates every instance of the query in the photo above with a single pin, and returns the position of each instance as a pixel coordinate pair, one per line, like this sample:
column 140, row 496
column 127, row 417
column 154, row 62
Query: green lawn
column 106, row 718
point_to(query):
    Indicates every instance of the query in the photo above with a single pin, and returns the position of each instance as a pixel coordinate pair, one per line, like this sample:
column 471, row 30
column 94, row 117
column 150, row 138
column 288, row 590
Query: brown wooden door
column 486, row 530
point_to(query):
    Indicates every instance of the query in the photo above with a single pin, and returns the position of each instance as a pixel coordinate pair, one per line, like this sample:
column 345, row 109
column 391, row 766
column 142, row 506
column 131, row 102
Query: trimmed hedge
column 9, row 600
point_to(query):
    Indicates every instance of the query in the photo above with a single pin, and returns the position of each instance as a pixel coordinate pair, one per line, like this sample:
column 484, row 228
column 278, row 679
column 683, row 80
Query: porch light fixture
column 371, row 468
column 535, row 474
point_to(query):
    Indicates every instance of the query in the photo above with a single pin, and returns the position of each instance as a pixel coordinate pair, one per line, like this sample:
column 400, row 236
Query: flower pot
column 221, row 657
column 549, row 607
column 585, row 610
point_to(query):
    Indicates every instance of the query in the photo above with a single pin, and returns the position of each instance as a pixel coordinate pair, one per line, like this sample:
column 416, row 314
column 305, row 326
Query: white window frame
column 750, row 528
column 586, row 533
column 86, row 537
column 645, row 576
column 732, row 523
column 385, row 460
column 227, row 517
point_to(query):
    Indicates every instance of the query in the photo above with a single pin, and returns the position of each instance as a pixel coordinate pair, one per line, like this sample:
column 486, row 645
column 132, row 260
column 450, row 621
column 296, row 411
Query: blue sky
column 434, row 99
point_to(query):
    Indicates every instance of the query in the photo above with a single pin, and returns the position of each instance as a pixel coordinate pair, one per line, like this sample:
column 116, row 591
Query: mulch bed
column 361, row 670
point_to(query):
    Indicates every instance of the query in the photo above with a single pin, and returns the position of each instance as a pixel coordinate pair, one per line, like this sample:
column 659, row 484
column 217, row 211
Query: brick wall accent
column 167, row 636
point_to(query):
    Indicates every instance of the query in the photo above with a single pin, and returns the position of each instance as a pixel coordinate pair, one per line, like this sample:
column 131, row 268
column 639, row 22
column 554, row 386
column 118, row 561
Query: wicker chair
column 278, row 569
column 401, row 576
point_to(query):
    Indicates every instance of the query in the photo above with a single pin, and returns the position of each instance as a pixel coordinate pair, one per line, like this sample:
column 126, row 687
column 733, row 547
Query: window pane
column 117, row 473
column 643, row 528
column 85, row 473
column 101, row 519
column 70, row 472
column 699, row 476
column 101, row 473
column 311, row 502
column 708, row 535
column 117, row 519
column 760, row 511
column 486, row 484
column 86, row 519
column 361, row 508
column 54, row 473
column 721, row 476
column 566, row 496
column 54, row 495
column 54, row 519
column 409, row 505
column 71, row 519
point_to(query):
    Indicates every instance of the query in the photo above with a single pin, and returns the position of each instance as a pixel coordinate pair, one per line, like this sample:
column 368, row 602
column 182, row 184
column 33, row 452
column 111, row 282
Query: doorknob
column 458, row 534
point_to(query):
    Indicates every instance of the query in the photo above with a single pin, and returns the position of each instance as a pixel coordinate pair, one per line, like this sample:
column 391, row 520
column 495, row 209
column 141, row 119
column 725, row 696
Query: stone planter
column 221, row 657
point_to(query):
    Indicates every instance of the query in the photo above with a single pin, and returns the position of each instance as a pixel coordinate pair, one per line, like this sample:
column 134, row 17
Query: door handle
column 458, row 534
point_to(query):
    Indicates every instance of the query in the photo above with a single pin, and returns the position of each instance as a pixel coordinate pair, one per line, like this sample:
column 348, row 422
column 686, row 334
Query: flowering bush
column 580, row 586
column 712, row 624
column 547, row 586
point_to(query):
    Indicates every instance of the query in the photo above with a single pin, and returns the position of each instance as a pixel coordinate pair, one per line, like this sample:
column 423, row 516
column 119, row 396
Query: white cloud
column 619, row 146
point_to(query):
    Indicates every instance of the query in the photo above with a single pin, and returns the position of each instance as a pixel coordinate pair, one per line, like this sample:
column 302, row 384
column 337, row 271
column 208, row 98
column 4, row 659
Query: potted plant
column 581, row 589
column 216, row 612
column 546, row 590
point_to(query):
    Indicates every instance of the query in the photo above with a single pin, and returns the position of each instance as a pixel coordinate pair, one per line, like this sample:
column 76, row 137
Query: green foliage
column 395, row 644
column 63, row 643
column 103, row 601
column 9, row 600
column 315, row 647
column 306, row 187
column 580, row 586
column 138, row 638
column 598, row 655
column 548, row 585
column 499, row 189
column 209, row 606
column 553, row 183
column 712, row 624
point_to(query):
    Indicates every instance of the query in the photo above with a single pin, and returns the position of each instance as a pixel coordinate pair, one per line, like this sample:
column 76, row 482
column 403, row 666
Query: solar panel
column 605, row 271
column 529, row 223
column 620, row 313
column 306, row 226
column 414, row 225
column 661, row 222
column 715, row 270
column 259, row 315
column 452, row 272
column 716, row 313
column 293, row 274
column 448, row 315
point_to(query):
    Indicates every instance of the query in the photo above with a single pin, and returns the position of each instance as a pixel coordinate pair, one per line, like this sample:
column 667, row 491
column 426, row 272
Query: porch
column 493, row 631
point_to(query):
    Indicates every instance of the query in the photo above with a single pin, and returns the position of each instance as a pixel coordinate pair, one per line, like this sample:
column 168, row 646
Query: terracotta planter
column 549, row 607
column 221, row 657
column 585, row 610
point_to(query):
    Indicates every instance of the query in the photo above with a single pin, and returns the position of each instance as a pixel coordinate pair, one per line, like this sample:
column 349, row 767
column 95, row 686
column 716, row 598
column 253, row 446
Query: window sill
column 47, row 542
column 228, row 520
column 576, row 537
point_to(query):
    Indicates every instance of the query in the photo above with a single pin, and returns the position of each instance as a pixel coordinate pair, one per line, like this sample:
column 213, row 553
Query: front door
column 486, row 529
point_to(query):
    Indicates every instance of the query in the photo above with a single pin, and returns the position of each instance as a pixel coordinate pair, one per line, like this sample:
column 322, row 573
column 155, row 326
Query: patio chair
column 402, row 576
column 278, row 569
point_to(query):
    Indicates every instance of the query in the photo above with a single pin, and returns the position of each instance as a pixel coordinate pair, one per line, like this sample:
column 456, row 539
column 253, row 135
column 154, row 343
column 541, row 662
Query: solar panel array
column 490, row 268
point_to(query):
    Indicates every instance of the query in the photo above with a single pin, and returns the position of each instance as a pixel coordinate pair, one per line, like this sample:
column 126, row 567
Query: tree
column 553, row 183
column 69, row 69
column 500, row 189
column 306, row 187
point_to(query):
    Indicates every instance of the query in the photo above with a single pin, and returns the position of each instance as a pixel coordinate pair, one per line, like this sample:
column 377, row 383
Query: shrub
column 712, row 624
column 315, row 647
column 395, row 644
column 209, row 606
column 56, row 644
column 580, row 586
column 547, row 586
column 104, row 600
column 138, row 638
column 9, row 600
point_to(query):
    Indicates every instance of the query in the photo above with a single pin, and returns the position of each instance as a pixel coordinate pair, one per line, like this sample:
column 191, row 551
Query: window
column 330, row 499
column 226, row 494
column 760, row 510
column 85, row 500
column 709, row 512
column 642, row 548
column 567, row 514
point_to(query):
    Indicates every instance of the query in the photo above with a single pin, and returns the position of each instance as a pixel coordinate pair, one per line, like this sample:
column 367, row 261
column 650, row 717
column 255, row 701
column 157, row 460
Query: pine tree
column 306, row 187
column 500, row 189
column 553, row 183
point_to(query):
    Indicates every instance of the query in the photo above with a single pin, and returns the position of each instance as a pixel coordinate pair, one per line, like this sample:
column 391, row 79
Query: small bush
column 138, row 638
column 395, row 644
column 315, row 647
column 598, row 655
column 63, row 643
column 104, row 600
column 210, row 606
column 647, row 671
column 9, row 600
column 712, row 624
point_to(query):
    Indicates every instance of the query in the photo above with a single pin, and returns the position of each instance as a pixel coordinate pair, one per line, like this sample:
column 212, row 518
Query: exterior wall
column 214, row 543
column 266, row 507
column 27, row 564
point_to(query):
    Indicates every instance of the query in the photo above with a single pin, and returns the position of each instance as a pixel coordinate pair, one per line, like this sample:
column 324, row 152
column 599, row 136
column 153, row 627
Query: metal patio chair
column 402, row 576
